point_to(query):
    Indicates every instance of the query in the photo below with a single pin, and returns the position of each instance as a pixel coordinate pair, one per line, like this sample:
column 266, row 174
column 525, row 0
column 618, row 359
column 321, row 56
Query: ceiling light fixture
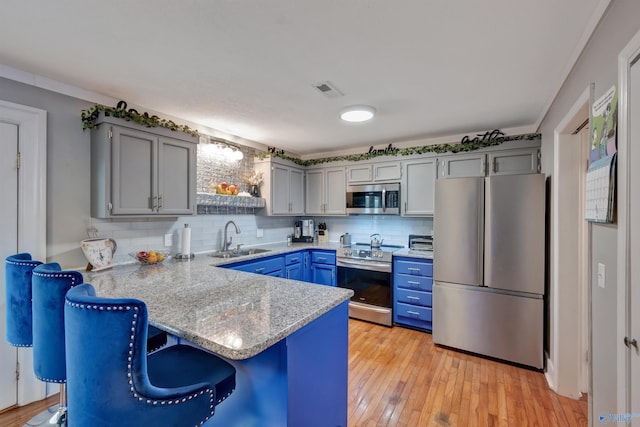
column 357, row 113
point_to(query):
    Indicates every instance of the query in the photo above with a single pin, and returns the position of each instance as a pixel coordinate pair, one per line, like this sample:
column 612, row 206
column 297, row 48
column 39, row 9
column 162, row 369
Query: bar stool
column 50, row 284
column 119, row 384
column 18, row 271
column 19, row 318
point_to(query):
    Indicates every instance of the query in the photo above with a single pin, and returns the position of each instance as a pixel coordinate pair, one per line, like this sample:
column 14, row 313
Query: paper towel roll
column 185, row 243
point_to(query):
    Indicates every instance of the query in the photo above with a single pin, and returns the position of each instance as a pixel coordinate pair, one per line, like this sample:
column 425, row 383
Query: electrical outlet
column 260, row 232
column 168, row 240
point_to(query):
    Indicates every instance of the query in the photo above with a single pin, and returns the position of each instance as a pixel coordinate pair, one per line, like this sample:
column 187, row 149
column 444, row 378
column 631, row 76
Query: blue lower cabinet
column 314, row 266
column 323, row 267
column 293, row 272
column 293, row 265
column 323, row 274
column 272, row 266
column 412, row 298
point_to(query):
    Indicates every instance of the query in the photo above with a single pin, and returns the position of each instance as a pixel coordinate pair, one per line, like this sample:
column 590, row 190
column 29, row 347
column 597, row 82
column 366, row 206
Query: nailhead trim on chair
column 73, row 284
column 130, row 358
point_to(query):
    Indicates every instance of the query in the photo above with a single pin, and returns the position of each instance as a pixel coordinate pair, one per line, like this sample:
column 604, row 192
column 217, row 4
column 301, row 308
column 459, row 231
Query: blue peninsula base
column 301, row 380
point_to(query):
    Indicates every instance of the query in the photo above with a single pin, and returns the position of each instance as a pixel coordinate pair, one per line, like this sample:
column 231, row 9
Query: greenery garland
column 467, row 145
column 90, row 116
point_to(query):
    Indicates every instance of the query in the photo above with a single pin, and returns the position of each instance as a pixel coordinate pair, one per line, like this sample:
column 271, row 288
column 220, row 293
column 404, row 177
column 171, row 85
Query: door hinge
column 539, row 166
column 17, row 371
column 110, row 134
column 109, row 206
column 18, row 160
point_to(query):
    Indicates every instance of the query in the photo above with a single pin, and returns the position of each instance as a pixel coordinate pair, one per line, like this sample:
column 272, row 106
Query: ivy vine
column 90, row 116
column 465, row 146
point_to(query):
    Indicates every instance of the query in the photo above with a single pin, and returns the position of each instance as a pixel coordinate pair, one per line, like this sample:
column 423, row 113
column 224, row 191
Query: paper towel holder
column 185, row 245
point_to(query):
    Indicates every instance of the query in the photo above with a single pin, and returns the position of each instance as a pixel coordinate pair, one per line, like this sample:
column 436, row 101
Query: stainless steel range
column 367, row 271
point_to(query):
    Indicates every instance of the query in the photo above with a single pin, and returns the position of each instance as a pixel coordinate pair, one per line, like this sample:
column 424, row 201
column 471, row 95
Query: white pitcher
column 99, row 252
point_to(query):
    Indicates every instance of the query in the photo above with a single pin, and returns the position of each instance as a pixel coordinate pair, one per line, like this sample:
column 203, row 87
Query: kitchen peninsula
column 288, row 340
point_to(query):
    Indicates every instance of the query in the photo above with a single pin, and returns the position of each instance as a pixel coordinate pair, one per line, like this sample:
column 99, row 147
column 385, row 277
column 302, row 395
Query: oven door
column 371, row 283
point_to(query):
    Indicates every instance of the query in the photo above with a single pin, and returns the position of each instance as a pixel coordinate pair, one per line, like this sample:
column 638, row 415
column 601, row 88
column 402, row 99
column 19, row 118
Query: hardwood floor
column 397, row 377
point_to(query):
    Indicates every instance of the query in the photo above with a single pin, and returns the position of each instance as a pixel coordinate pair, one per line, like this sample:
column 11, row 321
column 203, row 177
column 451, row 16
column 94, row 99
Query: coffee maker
column 303, row 230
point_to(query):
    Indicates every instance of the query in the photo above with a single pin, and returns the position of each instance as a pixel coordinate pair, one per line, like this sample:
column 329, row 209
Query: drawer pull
column 411, row 282
column 259, row 270
column 295, row 259
column 413, row 269
column 415, row 313
column 413, row 298
column 321, row 258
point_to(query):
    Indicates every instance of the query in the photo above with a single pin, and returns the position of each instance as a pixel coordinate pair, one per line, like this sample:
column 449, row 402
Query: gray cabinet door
column 296, row 191
column 280, row 190
column 315, row 191
column 176, row 177
column 335, row 192
column 389, row 171
column 418, row 187
column 133, row 172
column 461, row 166
column 512, row 162
column 359, row 173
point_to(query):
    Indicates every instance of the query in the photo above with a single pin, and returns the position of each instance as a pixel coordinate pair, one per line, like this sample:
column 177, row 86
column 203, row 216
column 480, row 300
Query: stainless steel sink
column 238, row 253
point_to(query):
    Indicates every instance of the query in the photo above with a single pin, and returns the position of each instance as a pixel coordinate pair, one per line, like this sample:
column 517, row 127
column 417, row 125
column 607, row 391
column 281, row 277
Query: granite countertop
column 413, row 253
column 231, row 313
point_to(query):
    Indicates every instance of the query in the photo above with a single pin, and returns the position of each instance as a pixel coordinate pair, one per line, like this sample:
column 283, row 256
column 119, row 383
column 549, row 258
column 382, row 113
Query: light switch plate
column 168, row 240
column 601, row 275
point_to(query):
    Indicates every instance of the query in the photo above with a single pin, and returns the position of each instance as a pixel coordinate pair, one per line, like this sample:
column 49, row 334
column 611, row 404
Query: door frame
column 630, row 51
column 32, row 214
column 565, row 361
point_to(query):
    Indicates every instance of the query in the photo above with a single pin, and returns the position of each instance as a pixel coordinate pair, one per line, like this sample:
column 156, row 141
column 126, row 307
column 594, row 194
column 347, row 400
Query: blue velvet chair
column 111, row 381
column 18, row 271
column 50, row 284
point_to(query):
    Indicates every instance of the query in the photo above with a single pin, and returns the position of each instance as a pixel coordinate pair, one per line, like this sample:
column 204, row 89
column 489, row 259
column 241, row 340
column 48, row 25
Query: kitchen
column 68, row 212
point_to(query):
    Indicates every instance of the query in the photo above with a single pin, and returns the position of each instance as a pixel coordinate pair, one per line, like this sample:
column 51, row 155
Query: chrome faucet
column 226, row 244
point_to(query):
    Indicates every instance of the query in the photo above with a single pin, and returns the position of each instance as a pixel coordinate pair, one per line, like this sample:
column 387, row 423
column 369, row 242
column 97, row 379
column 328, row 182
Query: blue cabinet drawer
column 415, row 268
column 323, row 257
column 413, row 312
column 413, row 297
column 265, row 266
column 293, row 258
column 418, row 283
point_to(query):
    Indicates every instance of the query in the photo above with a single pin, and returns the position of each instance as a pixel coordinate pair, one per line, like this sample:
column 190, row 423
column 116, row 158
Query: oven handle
column 384, row 268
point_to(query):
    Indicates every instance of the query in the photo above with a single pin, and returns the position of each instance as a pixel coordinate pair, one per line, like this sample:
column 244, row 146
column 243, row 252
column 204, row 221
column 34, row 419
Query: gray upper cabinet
column 359, row 173
column 326, row 192
column 511, row 162
column 418, row 187
column 461, row 165
column 374, row 172
column 139, row 171
column 283, row 187
column 388, row 171
column 498, row 162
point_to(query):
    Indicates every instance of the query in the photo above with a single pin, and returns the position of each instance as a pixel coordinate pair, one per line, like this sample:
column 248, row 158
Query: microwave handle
column 384, row 199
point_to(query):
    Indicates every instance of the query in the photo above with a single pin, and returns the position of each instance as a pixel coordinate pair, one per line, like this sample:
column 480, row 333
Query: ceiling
column 248, row 67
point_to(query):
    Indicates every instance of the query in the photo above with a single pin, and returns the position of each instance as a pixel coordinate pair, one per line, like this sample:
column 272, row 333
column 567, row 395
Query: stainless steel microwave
column 373, row 199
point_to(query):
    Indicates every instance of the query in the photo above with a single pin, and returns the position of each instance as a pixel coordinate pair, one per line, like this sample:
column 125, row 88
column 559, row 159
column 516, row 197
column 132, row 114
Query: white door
column 8, row 246
column 634, row 244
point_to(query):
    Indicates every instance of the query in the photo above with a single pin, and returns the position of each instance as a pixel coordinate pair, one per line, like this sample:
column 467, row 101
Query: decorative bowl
column 150, row 257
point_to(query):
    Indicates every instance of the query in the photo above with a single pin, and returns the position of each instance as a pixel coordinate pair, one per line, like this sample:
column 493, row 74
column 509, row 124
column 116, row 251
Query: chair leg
column 60, row 417
column 54, row 416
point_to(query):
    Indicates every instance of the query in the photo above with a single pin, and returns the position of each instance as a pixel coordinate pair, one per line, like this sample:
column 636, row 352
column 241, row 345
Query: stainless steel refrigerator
column 489, row 242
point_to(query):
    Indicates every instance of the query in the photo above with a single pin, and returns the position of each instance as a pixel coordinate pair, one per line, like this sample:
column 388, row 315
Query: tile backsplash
column 207, row 230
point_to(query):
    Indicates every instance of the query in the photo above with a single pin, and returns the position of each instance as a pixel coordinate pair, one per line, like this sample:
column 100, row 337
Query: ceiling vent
column 328, row 89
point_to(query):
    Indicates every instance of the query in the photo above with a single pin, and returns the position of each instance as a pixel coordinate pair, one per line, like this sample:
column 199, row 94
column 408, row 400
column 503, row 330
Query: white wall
column 598, row 64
